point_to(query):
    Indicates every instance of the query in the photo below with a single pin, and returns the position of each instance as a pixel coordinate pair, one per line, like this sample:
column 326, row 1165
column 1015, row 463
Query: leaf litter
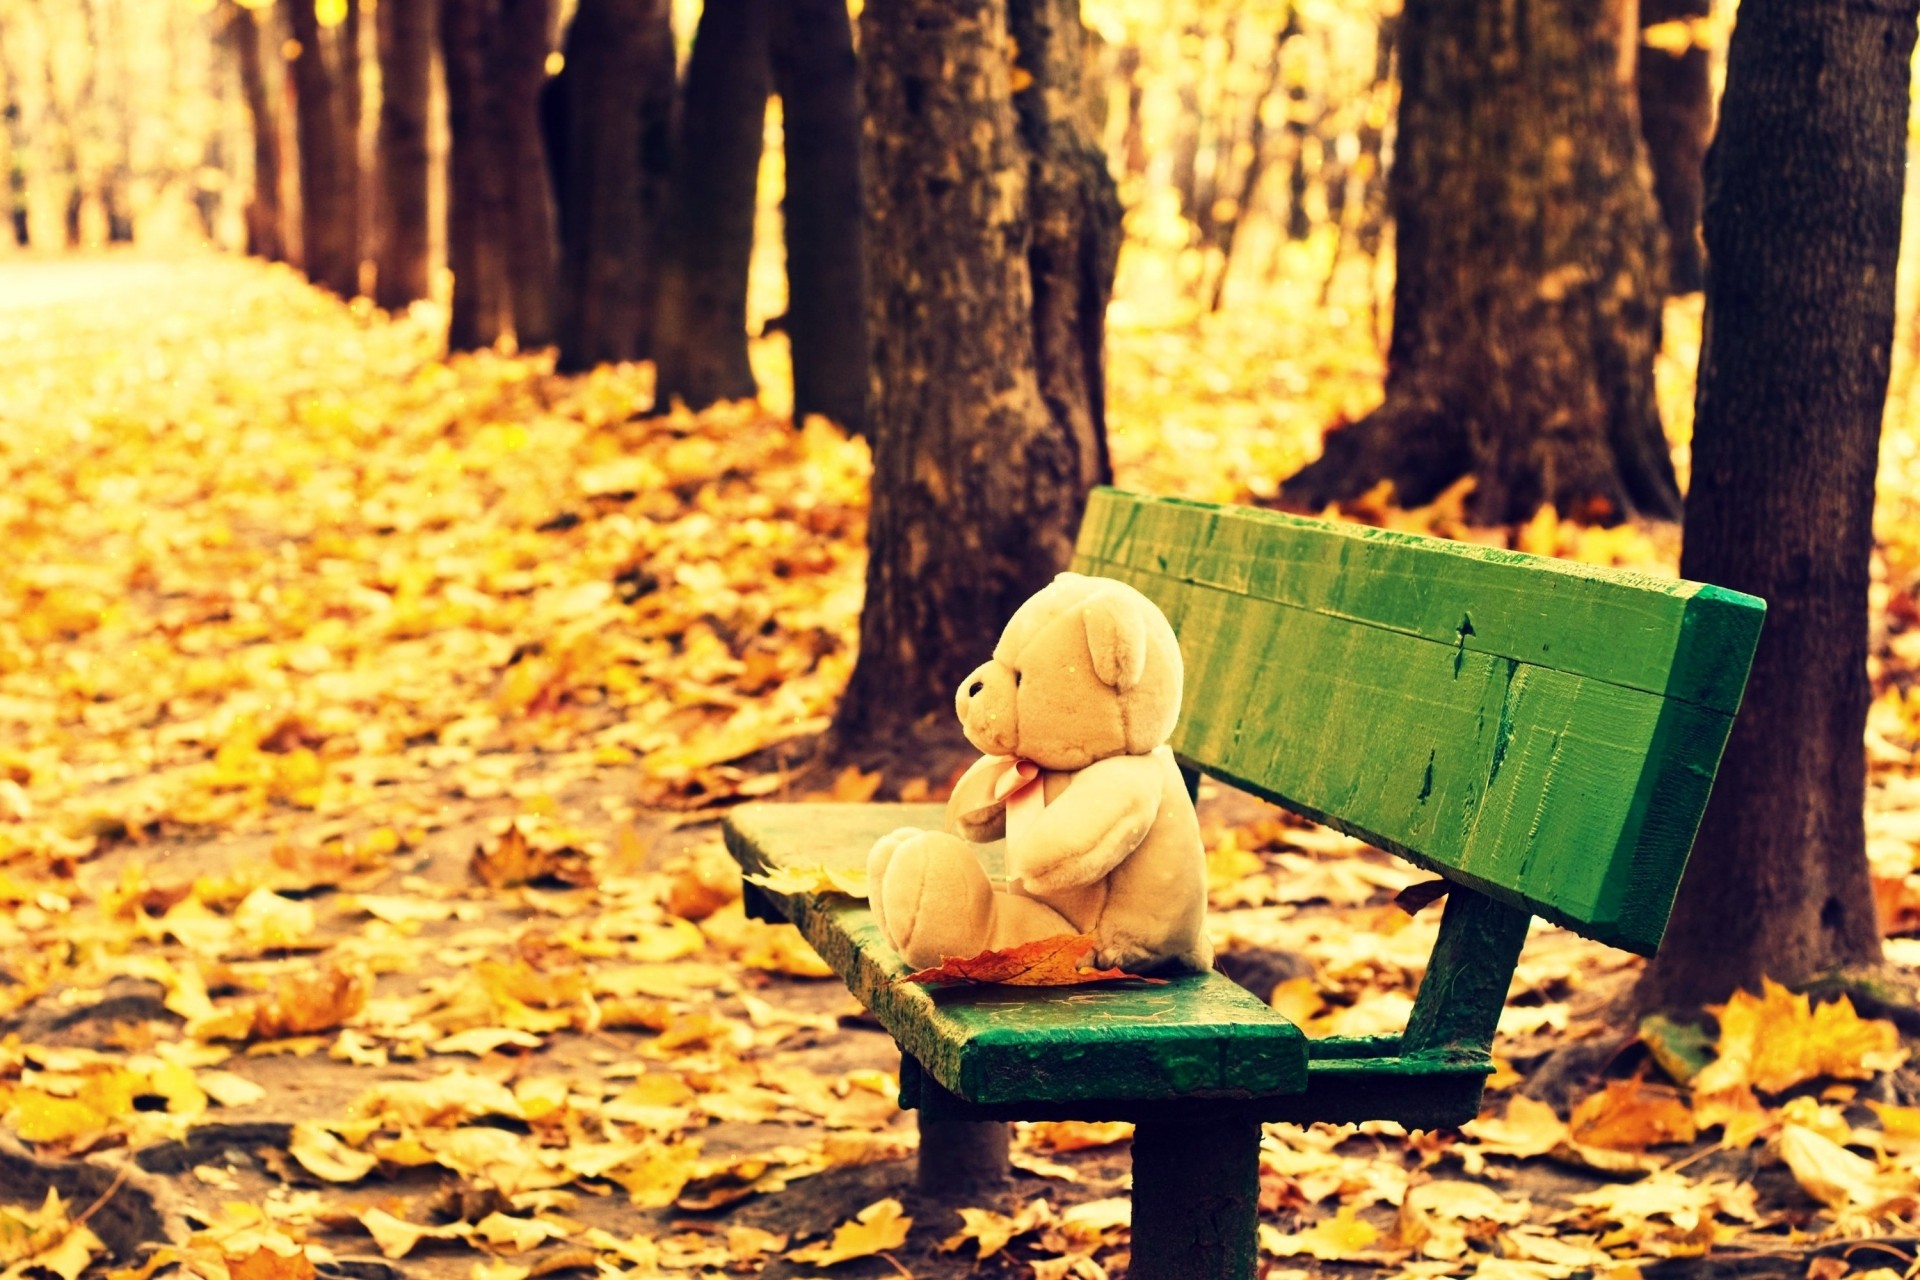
column 354, row 866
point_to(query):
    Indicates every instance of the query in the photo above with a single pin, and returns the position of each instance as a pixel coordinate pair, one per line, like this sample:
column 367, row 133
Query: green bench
column 1542, row 734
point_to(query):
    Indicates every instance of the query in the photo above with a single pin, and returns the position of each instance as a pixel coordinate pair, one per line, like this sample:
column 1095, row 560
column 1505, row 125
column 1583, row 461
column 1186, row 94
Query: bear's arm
column 972, row 812
column 1090, row 829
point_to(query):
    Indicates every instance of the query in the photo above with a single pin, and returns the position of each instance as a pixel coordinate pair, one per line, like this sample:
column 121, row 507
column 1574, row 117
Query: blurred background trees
column 396, row 147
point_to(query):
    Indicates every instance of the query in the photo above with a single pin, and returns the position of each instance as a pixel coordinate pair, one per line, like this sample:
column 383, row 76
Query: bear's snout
column 984, row 703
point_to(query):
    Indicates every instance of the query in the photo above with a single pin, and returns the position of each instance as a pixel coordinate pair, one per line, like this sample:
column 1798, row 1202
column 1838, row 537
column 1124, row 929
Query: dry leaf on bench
column 1050, row 962
column 818, row 878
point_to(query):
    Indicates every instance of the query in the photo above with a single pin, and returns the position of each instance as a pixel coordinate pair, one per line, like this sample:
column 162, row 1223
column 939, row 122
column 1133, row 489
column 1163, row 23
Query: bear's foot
column 931, row 896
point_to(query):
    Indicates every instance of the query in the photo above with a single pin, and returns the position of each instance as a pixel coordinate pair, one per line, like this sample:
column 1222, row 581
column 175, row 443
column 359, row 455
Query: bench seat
column 1199, row 1036
column 1118, row 1051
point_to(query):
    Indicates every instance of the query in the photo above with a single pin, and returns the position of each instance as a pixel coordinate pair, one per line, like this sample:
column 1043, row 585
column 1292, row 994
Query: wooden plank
column 1562, row 795
column 1570, row 788
column 1199, row 1036
column 1660, row 635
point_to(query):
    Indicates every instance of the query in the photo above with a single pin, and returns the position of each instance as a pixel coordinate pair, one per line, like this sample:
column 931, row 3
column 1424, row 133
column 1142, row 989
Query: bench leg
column 961, row 1158
column 1196, row 1199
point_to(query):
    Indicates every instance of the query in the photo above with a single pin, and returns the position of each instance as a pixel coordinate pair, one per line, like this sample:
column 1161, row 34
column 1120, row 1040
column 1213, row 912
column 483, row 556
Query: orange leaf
column 304, row 1003
column 1631, row 1115
column 1050, row 962
column 264, row 1264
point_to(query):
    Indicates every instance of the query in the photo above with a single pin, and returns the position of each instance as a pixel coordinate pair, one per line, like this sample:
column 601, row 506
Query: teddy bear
column 1072, row 713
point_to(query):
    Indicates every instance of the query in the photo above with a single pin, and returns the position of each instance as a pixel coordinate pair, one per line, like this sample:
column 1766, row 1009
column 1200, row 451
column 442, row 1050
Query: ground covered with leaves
column 367, row 716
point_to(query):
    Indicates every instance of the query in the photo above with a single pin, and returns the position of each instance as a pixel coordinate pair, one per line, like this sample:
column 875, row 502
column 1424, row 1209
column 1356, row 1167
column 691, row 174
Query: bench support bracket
column 1196, row 1198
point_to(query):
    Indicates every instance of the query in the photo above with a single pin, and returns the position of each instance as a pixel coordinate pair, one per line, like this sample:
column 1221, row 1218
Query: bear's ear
column 1117, row 640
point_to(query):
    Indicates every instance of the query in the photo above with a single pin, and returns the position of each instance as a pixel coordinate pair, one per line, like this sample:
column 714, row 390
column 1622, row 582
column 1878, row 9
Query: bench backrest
column 1539, row 730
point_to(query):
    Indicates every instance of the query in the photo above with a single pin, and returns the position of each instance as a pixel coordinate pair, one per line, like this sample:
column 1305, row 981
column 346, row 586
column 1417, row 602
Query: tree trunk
column 327, row 161
column 817, row 77
column 700, row 338
column 9, row 239
column 989, row 234
column 1793, row 380
column 1256, row 134
column 612, row 131
column 405, row 158
column 266, row 226
column 1527, row 298
column 1074, row 227
column 1676, row 118
column 522, row 38
column 353, row 170
column 475, row 184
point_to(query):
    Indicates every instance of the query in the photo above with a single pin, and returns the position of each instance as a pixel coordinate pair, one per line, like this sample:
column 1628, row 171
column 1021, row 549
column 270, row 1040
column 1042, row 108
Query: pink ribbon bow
column 1019, row 785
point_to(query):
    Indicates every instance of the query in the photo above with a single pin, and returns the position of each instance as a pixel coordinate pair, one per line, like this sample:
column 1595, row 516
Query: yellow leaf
column 1828, row 1171
column 37, row 1116
column 1343, row 1237
column 1898, row 1122
column 1078, row 1135
column 229, row 1089
column 481, row 1041
column 1777, row 1040
column 517, row 1234
column 1528, row 1128
column 992, row 1231
column 817, row 878
column 1298, row 999
column 322, row 1154
column 878, row 1227
column 396, row 1237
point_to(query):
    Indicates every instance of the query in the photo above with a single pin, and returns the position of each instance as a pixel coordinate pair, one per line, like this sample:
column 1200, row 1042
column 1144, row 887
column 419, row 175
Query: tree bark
column 327, row 161
column 1803, row 206
column 475, row 183
column 612, row 138
column 1676, row 118
column 989, row 231
column 353, row 171
column 406, row 34
column 522, row 38
column 1527, row 297
column 817, row 77
column 700, row 338
column 10, row 238
column 266, row 222
column 1074, row 219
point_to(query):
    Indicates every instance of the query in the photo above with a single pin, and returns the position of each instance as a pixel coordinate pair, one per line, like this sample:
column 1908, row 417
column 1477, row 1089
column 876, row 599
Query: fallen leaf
column 818, row 878
column 1048, row 962
column 878, row 1227
column 990, row 1232
column 265, row 1264
column 1343, row 1237
column 1777, row 1040
column 322, row 1154
column 1631, row 1115
column 1828, row 1171
column 396, row 1237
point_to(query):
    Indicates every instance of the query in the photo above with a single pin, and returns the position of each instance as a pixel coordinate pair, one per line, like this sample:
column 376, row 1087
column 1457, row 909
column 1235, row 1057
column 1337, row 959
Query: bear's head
column 1087, row 668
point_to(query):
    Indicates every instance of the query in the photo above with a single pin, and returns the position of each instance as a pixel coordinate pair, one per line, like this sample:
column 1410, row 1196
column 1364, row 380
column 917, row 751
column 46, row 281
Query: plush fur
column 1085, row 684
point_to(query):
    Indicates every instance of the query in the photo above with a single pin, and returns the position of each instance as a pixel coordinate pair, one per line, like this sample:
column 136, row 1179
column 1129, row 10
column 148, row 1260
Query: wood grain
column 1541, row 732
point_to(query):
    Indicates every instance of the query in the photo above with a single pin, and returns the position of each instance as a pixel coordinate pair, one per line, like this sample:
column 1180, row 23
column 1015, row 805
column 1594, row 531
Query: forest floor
column 368, row 717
